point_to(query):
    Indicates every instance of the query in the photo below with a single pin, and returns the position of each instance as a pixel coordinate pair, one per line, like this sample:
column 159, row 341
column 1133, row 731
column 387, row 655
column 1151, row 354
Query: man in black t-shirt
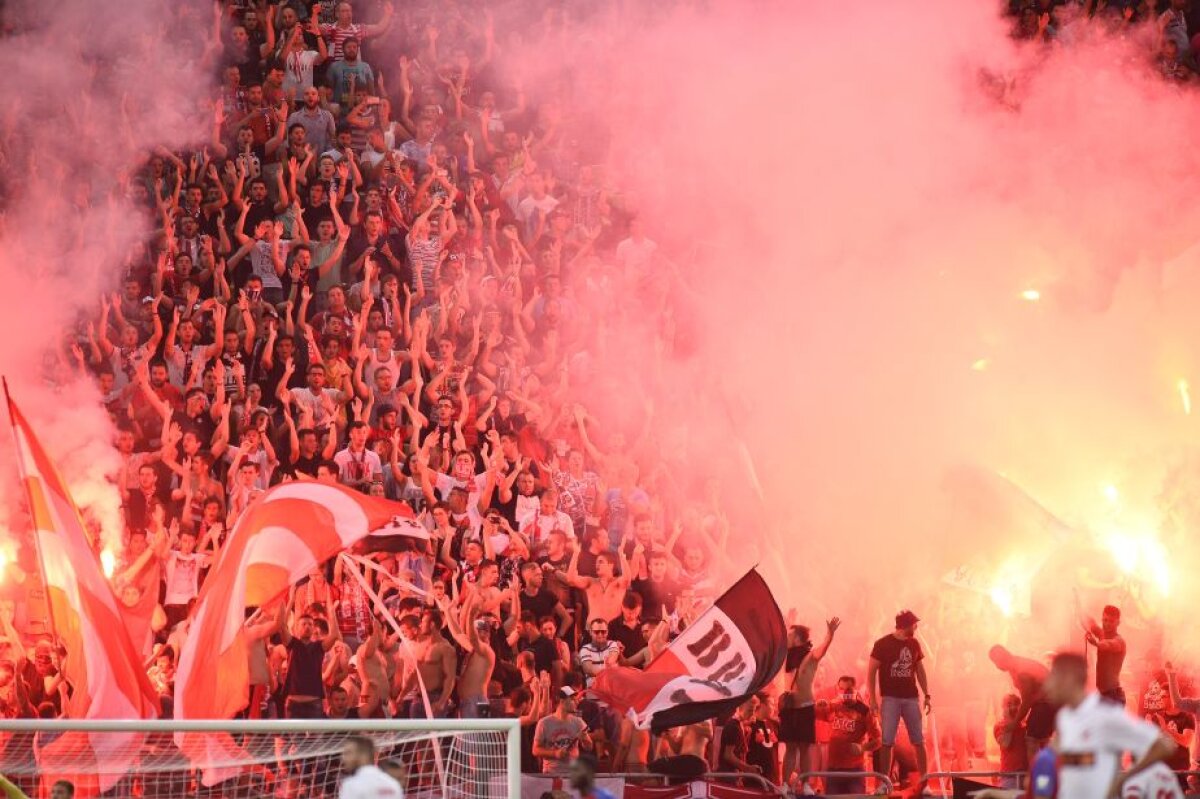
column 658, row 591
column 339, row 705
column 539, row 600
column 545, row 653
column 735, row 740
column 595, row 546
column 304, row 692
column 626, row 629
column 897, row 660
column 308, row 455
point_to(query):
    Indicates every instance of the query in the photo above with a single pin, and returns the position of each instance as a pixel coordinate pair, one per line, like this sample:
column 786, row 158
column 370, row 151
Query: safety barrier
column 977, row 775
column 646, row 776
column 879, row 777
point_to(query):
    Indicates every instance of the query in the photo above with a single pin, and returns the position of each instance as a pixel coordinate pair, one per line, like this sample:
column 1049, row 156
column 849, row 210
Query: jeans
column 892, row 710
column 468, row 706
column 413, row 707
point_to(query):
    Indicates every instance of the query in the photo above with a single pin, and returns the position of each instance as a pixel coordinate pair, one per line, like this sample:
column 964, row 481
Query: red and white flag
column 102, row 666
column 731, row 651
column 286, row 533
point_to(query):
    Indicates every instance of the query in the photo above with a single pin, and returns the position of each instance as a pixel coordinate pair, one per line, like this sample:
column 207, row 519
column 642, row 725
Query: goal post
column 284, row 759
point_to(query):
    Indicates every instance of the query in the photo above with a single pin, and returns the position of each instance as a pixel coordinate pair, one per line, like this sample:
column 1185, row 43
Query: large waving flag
column 102, row 665
column 287, row 532
column 733, row 650
column 279, row 539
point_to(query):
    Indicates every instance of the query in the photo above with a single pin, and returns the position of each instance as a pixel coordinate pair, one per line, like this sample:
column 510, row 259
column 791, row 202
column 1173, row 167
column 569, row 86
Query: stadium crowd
column 386, row 267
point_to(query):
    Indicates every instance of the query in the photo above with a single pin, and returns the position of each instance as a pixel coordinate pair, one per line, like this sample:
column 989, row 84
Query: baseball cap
column 906, row 618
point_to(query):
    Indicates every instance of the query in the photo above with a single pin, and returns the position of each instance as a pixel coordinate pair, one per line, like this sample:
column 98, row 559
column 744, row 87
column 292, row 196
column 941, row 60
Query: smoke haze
column 858, row 200
column 855, row 199
column 89, row 92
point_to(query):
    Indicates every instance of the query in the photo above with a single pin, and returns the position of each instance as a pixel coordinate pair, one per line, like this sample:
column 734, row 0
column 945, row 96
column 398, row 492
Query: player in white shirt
column 1092, row 736
column 365, row 780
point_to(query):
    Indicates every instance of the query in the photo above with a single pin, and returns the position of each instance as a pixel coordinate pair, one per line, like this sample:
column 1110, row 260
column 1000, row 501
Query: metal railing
column 649, row 776
column 879, row 776
column 941, row 776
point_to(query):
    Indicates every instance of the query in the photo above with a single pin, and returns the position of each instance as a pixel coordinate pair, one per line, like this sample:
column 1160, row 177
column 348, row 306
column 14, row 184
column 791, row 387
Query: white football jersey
column 370, row 782
column 1092, row 738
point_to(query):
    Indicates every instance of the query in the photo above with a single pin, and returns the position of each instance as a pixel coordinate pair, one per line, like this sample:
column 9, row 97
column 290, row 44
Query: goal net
column 456, row 758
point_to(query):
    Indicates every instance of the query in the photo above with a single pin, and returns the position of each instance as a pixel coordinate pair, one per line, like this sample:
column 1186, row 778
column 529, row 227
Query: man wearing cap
column 558, row 736
column 896, row 659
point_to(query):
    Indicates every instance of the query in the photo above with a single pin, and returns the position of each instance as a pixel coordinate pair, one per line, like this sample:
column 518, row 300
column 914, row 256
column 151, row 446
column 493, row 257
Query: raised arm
column 572, row 575
column 831, row 627
column 335, row 632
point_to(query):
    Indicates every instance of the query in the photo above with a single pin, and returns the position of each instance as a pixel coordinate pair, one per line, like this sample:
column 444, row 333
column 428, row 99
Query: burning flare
column 108, row 562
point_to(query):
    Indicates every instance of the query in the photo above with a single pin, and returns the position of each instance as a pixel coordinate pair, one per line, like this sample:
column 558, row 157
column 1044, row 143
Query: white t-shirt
column 259, row 456
column 634, row 255
column 527, row 210
column 443, row 483
column 370, row 782
column 183, row 577
column 537, row 526
column 1101, row 732
column 353, row 468
column 306, row 397
column 298, row 70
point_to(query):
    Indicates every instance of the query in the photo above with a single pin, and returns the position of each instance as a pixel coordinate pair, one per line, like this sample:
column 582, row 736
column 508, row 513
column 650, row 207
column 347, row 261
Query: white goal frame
column 509, row 726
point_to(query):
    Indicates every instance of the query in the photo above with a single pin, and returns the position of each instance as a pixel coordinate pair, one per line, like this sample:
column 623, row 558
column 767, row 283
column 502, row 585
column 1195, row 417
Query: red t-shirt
column 849, row 725
column 1014, row 757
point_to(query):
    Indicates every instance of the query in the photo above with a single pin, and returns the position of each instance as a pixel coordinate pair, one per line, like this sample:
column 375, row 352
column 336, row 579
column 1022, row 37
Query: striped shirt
column 597, row 656
column 423, row 257
column 336, row 38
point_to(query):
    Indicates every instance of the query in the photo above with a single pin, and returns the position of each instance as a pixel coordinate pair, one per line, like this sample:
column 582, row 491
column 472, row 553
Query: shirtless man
column 605, row 591
column 633, row 748
column 1110, row 653
column 437, row 665
column 372, row 672
column 797, row 713
column 683, row 751
column 1029, row 679
column 485, row 596
column 481, row 661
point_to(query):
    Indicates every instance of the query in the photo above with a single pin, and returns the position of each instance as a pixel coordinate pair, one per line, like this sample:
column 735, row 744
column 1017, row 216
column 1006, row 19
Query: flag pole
column 37, row 546
column 349, row 564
